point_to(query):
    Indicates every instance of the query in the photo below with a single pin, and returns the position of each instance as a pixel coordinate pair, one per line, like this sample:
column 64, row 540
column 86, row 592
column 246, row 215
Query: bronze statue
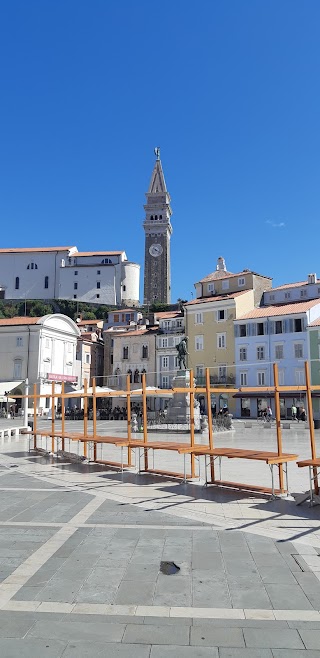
column 182, row 353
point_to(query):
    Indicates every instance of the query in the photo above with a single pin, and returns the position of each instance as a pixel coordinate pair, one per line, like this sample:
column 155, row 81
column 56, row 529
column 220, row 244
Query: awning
column 8, row 387
column 5, row 399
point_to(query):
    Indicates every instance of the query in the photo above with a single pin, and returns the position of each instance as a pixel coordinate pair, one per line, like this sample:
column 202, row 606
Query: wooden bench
column 313, row 496
column 173, row 446
column 270, row 458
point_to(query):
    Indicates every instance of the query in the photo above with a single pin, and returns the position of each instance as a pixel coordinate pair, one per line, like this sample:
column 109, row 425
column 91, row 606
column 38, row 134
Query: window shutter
column 265, row 327
column 236, row 331
column 271, row 327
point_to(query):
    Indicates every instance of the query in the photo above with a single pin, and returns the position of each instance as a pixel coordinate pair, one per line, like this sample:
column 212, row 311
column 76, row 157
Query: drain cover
column 169, row 568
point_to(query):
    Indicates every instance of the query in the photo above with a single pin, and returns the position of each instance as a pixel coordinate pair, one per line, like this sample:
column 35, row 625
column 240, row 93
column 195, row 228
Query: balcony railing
column 226, row 380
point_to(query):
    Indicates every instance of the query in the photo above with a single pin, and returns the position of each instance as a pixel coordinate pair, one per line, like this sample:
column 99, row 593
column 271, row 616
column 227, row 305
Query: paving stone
column 277, row 639
column 287, row 597
column 250, row 597
column 311, row 587
column 142, row 571
column 210, row 594
column 311, row 639
column 31, row 648
column 300, row 653
column 270, row 574
column 312, row 625
column 242, row 623
column 246, row 653
column 151, row 634
column 216, row 637
column 105, row 650
column 72, row 630
column 131, row 592
column 173, row 591
column 15, row 625
column 95, row 594
column 207, row 561
column 169, row 621
column 184, row 652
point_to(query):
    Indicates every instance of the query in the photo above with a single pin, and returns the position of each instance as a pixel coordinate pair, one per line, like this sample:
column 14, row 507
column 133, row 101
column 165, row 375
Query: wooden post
column 278, row 422
column 191, row 397
column 52, row 415
column 62, row 415
column 129, row 418
column 311, row 426
column 94, row 417
column 210, row 425
column 85, row 417
column 144, row 419
column 34, row 416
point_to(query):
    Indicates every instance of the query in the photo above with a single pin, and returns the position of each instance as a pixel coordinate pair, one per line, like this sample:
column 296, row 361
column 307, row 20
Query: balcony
column 216, row 380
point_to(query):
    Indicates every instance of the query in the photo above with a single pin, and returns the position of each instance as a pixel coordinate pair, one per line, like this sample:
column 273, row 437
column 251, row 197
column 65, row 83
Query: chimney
column 221, row 264
column 312, row 278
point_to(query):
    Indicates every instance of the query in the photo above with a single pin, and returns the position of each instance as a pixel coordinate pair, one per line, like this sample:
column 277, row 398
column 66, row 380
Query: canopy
column 8, row 387
column 99, row 389
column 153, row 391
column 270, row 394
column 5, row 399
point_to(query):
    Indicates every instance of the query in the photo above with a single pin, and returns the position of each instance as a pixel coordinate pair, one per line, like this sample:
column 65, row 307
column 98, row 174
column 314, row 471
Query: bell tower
column 158, row 230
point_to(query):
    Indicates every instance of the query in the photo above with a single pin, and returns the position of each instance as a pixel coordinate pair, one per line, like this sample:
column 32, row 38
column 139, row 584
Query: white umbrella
column 99, row 389
column 152, row 391
column 3, row 398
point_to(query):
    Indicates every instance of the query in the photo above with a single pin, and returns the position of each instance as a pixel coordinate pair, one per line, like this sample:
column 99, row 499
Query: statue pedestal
column 179, row 406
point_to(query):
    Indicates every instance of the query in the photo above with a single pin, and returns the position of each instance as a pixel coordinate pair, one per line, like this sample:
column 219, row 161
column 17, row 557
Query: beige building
column 222, row 297
column 131, row 352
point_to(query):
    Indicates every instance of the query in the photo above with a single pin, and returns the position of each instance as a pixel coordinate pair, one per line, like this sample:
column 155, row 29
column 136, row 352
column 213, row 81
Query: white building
column 267, row 335
column 42, row 350
column 170, row 333
column 99, row 277
column 290, row 293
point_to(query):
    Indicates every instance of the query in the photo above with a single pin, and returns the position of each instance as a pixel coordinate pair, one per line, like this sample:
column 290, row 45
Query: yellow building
column 222, row 297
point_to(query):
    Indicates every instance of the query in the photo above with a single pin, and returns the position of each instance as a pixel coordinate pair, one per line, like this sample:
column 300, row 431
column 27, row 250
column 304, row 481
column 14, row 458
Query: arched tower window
column 106, row 261
column 136, row 376
column 17, row 285
column 46, row 282
column 32, row 266
column 130, row 374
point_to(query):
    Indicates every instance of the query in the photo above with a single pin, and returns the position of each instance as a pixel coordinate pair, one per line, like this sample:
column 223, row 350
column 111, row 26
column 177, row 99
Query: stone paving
column 80, row 553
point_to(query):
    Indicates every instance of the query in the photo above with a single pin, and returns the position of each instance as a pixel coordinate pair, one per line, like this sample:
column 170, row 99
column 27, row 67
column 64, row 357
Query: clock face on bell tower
column 158, row 229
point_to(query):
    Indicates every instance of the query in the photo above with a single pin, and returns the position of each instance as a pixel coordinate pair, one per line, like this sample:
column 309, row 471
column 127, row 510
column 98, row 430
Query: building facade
column 171, row 331
column 314, row 356
column 267, row 335
column 158, row 230
column 42, row 350
column 290, row 293
column 133, row 353
column 100, row 277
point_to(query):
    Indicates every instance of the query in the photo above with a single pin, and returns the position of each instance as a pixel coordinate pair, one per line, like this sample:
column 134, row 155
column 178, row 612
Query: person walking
column 294, row 412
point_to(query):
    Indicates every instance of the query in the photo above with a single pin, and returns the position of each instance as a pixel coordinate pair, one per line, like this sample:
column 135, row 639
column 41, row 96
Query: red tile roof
column 223, row 274
column 291, row 285
column 85, row 322
column 285, row 309
column 34, row 249
column 162, row 315
column 315, row 323
column 136, row 332
column 216, row 298
column 97, row 253
column 5, row 322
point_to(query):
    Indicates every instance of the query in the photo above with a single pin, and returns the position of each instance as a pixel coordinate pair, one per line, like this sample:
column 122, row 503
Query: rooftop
column 98, row 253
column 216, row 298
column 291, row 285
column 286, row 309
column 315, row 323
column 223, row 274
column 33, row 249
column 5, row 322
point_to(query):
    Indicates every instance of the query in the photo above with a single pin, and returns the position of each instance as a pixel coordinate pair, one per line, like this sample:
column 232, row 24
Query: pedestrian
column 303, row 415
column 269, row 413
column 294, row 412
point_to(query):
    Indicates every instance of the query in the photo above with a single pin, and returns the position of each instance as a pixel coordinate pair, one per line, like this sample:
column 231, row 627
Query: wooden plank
column 156, row 471
column 246, row 487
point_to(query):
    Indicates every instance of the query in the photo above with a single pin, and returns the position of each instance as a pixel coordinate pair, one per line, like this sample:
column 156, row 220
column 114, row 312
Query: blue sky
column 229, row 89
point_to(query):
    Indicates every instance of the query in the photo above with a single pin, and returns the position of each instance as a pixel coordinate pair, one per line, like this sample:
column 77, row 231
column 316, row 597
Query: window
column 75, row 286
column 199, row 371
column 130, row 375
column 198, row 343
column 76, row 273
column 243, row 379
column 210, row 287
column 261, row 379
column 241, row 281
column 124, row 288
column 116, row 317
column 46, row 282
column 303, row 293
column 106, row 261
column 98, row 271
column 32, row 266
column 221, row 315
column 145, row 351
column 136, row 376
column 17, row 369
column 298, row 325
column 271, row 298
column 278, row 327
column 287, row 295
column 165, row 362
column 243, row 330
column 221, row 341
column 98, row 284
column 87, row 358
column 299, row 377
column 98, row 296
column 199, row 318
column 19, row 341
column 75, row 296
column 125, row 352
column 225, row 284
column 165, row 381
column 281, row 377
column 222, row 373
column 278, row 352
column 243, row 353
column 17, row 284
column 260, row 328
column 260, row 353
column 298, row 351
column 163, row 342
